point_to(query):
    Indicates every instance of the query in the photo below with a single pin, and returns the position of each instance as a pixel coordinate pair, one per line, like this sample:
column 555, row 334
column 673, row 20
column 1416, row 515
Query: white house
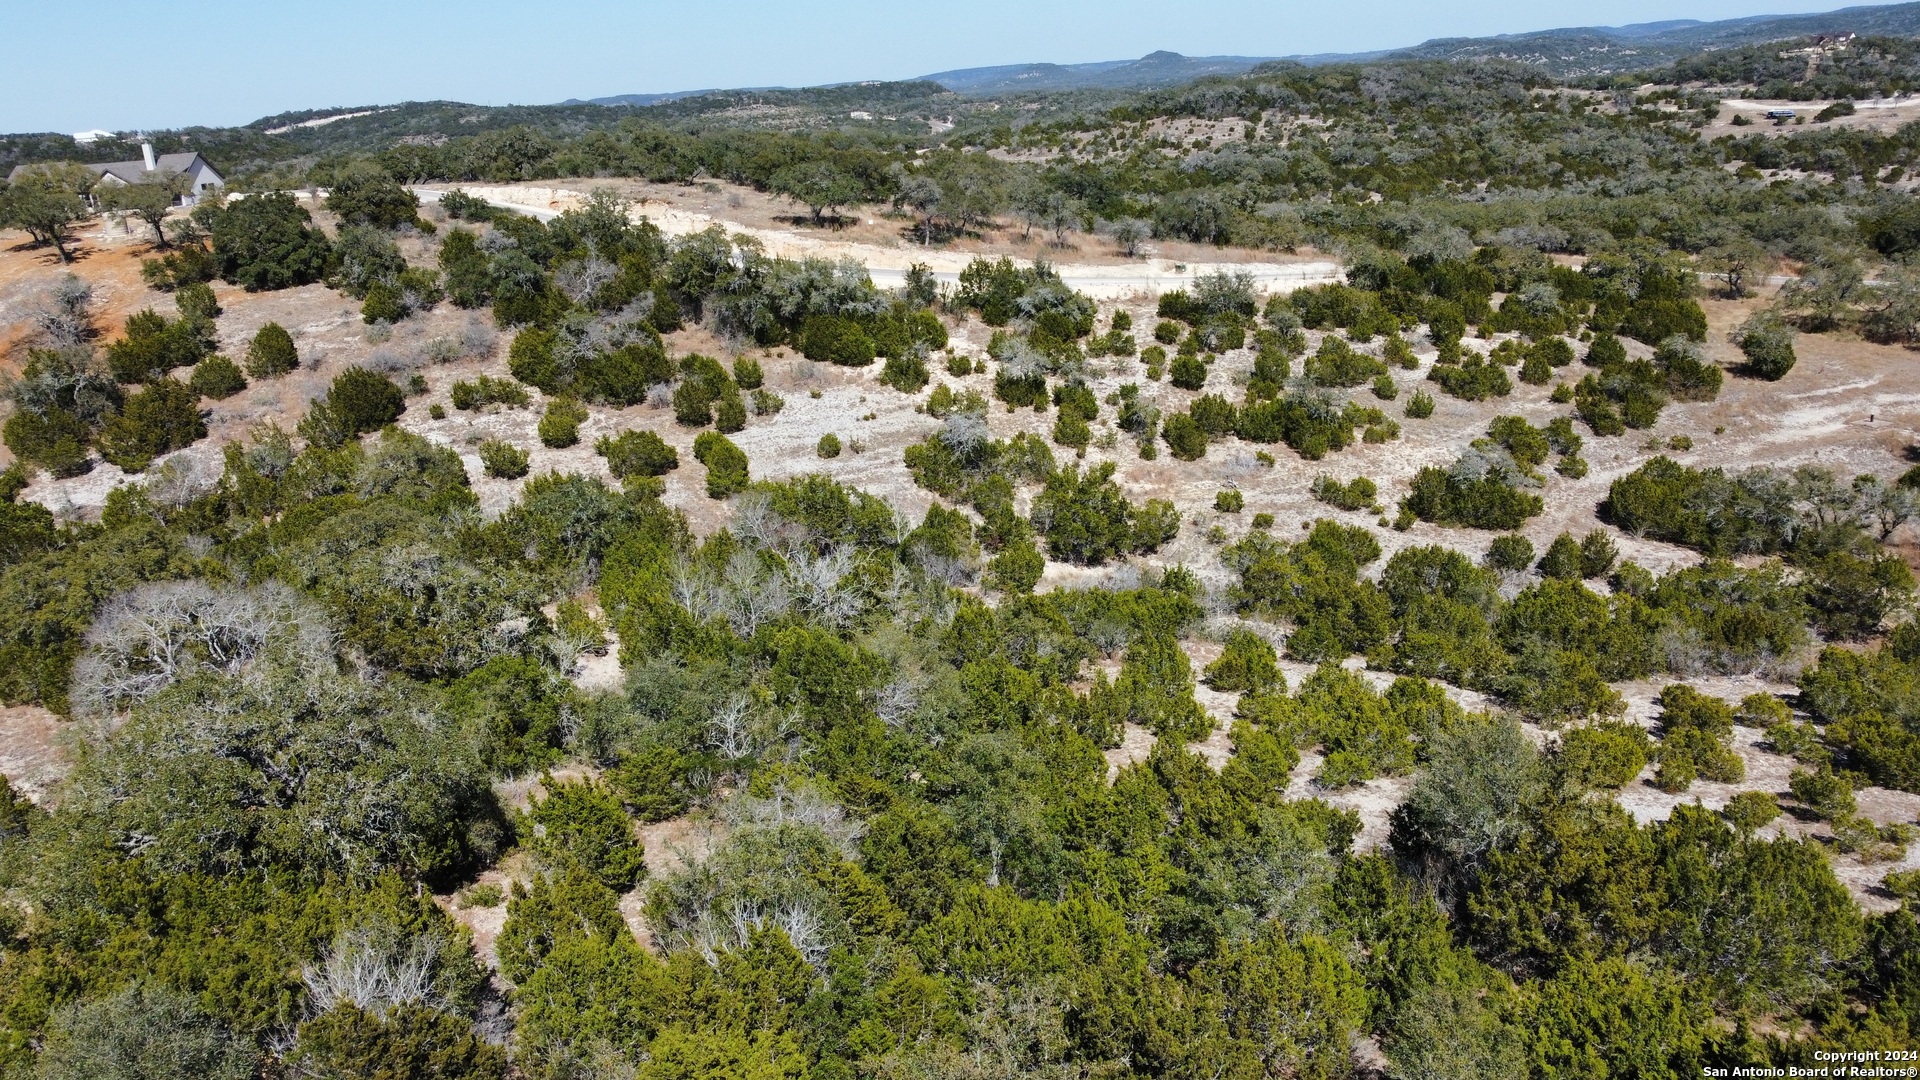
column 201, row 176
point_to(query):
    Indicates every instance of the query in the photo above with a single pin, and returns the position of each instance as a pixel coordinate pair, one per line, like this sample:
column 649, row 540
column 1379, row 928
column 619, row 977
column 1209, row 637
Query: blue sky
column 121, row 64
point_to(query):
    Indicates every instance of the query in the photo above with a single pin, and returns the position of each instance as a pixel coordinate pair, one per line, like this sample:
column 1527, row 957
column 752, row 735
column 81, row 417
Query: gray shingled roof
column 133, row 172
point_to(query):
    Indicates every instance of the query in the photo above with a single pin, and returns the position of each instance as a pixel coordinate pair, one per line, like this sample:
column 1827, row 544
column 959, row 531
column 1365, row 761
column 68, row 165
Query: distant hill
column 1569, row 52
column 1575, row 52
column 1152, row 70
column 642, row 100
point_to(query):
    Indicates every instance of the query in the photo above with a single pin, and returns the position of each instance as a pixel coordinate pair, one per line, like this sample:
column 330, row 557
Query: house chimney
column 146, row 155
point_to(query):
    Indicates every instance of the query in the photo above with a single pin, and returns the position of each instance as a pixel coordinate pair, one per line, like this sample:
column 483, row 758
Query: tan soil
column 484, row 923
column 33, row 754
column 1882, row 115
column 680, row 208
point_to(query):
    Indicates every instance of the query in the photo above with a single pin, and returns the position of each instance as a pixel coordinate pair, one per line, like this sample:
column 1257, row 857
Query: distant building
column 201, row 175
column 1781, row 114
column 88, row 138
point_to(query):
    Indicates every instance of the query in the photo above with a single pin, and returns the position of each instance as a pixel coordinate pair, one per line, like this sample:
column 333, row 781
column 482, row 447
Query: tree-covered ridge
column 1800, row 71
column 1296, row 155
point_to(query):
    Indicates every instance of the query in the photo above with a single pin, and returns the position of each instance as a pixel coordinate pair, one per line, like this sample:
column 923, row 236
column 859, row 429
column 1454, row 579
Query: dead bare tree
column 148, row 638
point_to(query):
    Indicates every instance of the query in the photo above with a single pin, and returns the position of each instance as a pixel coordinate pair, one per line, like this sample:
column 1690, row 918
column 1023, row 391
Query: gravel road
column 888, row 265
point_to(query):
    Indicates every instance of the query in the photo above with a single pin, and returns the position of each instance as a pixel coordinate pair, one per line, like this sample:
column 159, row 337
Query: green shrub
column 271, row 353
column 621, row 376
column 217, row 377
column 905, row 372
column 188, row 264
column 1085, row 518
column 702, row 382
column 1685, row 370
column 383, row 304
column 580, row 823
column 1337, row 364
column 1676, row 773
column 1553, row 350
column 487, row 390
column 637, row 453
column 54, row 439
column 1385, row 388
column 746, row 373
column 1155, row 523
column 1485, row 502
column 1155, row 689
column 197, row 302
column 560, row 424
column 1166, row 332
column 1070, row 429
column 766, row 402
column 1562, row 560
column 1473, row 379
column 357, row 402
column 1527, row 444
column 155, row 345
column 1247, row 664
column 1511, row 552
column 1214, row 414
column 835, row 339
column 726, row 464
column 1768, row 346
column 1155, row 358
column 1696, row 737
column 268, row 242
column 1185, row 438
column 1605, row 349
column 692, row 404
column 1189, row 372
column 1749, row 811
column 1605, row 755
column 161, row 418
column 1597, row 554
column 365, row 194
column 729, row 414
column 1229, row 501
column 1016, row 569
column 1357, row 494
column 503, row 460
column 828, row 447
column 1420, row 405
column 1827, row 794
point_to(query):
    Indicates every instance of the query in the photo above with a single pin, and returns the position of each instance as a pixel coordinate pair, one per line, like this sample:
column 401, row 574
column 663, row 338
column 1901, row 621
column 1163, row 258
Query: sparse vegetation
column 936, row 807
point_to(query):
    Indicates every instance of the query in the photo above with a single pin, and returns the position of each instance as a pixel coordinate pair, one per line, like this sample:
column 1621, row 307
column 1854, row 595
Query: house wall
column 204, row 179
